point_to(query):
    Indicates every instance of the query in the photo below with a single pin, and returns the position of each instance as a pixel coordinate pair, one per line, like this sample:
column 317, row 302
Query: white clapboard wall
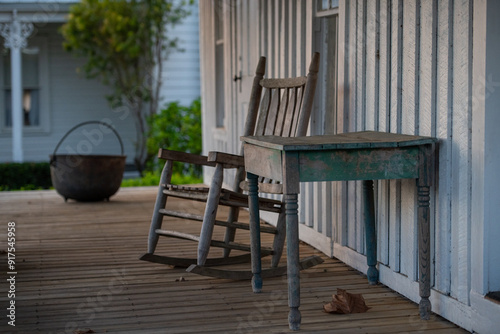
column 408, row 69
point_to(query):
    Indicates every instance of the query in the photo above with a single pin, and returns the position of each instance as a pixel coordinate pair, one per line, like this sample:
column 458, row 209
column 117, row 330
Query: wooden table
column 363, row 156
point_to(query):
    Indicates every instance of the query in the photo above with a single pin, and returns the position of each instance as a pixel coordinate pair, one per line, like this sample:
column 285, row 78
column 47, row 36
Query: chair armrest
column 184, row 157
column 228, row 160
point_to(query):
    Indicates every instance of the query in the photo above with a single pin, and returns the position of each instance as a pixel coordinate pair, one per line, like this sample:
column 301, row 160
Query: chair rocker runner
column 277, row 107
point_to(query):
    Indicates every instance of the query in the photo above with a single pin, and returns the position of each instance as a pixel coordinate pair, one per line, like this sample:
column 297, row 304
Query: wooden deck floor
column 78, row 269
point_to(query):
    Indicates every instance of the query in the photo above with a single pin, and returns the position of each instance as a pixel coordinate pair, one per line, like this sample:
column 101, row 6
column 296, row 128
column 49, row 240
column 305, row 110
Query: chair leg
column 234, row 212
column 279, row 239
column 161, row 200
column 233, row 216
column 207, row 227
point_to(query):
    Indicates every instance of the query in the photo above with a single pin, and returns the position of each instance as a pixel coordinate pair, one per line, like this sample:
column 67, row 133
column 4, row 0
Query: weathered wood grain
column 427, row 68
column 461, row 153
column 396, row 110
column 64, row 273
column 383, row 124
column 372, row 55
column 434, row 88
column 409, row 116
column 384, row 74
column 427, row 97
column 361, row 41
column 444, row 98
column 63, row 270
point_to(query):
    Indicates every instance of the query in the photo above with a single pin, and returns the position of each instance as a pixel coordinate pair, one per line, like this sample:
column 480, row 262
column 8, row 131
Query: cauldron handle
column 82, row 124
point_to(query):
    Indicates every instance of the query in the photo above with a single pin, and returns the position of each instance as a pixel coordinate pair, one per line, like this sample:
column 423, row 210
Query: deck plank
column 78, row 267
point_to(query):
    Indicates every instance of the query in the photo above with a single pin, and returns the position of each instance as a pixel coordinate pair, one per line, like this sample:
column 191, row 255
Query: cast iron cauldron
column 87, row 178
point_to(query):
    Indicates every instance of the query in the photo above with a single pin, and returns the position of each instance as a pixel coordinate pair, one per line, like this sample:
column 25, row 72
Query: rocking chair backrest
column 285, row 107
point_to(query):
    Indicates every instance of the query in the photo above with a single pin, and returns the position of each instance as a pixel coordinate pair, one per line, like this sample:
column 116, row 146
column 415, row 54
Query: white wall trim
column 350, row 257
column 485, row 313
column 444, row 305
column 316, row 239
column 306, row 234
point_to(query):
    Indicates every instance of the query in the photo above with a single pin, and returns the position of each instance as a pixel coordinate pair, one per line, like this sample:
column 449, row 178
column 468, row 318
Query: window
column 327, row 7
column 34, row 67
column 31, row 88
column 326, row 42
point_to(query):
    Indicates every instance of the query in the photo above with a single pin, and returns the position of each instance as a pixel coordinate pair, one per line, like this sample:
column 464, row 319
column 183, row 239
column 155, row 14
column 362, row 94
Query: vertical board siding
column 408, row 70
column 230, row 69
column 351, row 55
column 311, row 217
column 404, row 67
column 207, row 40
column 383, row 124
column 339, row 215
column 401, row 72
column 443, row 126
column 409, row 116
column 371, row 64
column 461, row 164
column 427, row 83
column 361, row 118
column 395, row 98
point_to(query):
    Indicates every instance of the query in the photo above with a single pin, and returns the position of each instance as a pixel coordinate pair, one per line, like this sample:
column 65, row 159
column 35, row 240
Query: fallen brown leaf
column 344, row 303
column 83, row 331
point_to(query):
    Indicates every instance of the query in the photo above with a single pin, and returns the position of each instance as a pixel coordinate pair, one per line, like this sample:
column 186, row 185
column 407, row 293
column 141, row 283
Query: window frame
column 41, row 42
column 324, row 99
column 333, row 8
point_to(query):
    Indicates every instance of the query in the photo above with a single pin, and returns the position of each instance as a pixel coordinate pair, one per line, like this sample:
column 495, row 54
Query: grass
column 149, row 179
column 153, row 179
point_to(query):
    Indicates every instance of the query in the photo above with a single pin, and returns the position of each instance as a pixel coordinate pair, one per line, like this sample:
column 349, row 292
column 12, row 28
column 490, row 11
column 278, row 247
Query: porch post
column 15, row 34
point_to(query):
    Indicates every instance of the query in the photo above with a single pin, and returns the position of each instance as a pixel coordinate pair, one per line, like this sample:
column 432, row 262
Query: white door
column 245, row 58
column 229, row 55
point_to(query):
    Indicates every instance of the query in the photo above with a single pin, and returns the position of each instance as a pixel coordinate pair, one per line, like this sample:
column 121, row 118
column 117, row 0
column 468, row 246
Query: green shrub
column 176, row 128
column 25, row 176
column 153, row 179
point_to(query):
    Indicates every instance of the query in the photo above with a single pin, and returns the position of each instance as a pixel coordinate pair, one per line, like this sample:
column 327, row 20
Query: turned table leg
column 424, row 251
column 293, row 271
column 371, row 235
column 253, row 205
column 423, row 220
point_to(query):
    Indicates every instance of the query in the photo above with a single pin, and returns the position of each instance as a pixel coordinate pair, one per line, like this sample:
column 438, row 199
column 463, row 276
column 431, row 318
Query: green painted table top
column 350, row 140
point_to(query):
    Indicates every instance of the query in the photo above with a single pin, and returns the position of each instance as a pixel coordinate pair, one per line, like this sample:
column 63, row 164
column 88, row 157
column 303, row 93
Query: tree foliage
column 178, row 128
column 124, row 43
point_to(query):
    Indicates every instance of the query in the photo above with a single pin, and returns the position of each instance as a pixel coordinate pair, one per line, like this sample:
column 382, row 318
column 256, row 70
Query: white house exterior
column 60, row 98
column 418, row 67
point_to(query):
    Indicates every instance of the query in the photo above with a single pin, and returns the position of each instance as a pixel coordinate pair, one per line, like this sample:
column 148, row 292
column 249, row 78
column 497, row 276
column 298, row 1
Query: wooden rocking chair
column 284, row 110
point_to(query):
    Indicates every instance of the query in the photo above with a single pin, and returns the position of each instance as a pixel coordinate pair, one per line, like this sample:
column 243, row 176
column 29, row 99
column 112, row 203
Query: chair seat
column 227, row 197
column 243, row 226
